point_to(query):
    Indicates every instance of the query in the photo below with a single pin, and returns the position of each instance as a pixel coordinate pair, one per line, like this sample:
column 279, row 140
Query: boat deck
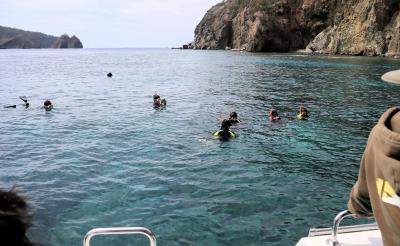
column 359, row 235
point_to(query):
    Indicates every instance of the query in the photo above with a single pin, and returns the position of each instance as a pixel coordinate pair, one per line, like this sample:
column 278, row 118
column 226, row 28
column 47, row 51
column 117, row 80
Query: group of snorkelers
column 225, row 133
column 47, row 105
column 302, row 114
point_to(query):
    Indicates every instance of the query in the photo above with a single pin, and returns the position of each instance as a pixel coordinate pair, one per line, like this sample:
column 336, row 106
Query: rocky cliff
column 67, row 42
column 11, row 38
column 356, row 27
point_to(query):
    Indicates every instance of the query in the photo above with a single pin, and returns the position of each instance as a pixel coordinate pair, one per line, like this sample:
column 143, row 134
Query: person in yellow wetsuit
column 377, row 190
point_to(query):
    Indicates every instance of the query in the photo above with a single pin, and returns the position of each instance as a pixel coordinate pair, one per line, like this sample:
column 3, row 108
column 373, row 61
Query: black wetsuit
column 224, row 135
column 233, row 121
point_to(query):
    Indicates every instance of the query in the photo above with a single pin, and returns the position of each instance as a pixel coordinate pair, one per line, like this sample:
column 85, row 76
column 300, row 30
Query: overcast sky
column 109, row 23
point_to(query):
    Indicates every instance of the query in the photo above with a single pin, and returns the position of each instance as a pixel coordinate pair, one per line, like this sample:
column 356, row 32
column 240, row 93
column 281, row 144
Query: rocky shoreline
column 342, row 27
column 11, row 38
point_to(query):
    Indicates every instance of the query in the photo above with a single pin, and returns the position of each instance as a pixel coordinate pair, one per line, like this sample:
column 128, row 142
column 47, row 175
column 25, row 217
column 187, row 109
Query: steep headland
column 11, row 38
column 355, row 27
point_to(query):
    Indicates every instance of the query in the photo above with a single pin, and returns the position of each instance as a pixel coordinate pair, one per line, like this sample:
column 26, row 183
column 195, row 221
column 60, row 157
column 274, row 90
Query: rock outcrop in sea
column 67, row 42
column 11, row 38
column 354, row 27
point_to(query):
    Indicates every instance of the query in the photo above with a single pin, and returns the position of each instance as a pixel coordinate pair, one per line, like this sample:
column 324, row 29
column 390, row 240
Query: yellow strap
column 384, row 188
column 216, row 134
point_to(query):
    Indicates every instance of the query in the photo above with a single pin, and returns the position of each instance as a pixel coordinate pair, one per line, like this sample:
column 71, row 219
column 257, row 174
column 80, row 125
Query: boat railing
column 336, row 222
column 333, row 241
column 120, row 231
column 348, row 235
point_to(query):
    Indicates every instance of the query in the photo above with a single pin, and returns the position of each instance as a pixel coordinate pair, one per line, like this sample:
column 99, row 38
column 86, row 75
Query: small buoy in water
column 109, row 75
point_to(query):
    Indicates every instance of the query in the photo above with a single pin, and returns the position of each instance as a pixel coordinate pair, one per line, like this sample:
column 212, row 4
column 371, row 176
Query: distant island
column 348, row 27
column 11, row 38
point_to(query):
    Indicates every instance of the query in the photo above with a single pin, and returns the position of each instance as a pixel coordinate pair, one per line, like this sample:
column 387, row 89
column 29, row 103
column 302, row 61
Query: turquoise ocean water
column 104, row 157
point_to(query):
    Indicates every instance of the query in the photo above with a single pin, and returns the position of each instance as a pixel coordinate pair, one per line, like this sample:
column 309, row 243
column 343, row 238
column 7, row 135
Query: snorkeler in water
column 48, row 105
column 273, row 115
column 225, row 133
column 158, row 102
column 302, row 113
column 23, row 98
column 233, row 118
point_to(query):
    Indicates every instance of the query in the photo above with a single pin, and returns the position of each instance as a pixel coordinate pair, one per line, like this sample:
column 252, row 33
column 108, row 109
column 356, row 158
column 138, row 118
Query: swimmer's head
column 233, row 115
column 273, row 113
column 156, row 96
column 47, row 103
column 109, row 75
column 303, row 111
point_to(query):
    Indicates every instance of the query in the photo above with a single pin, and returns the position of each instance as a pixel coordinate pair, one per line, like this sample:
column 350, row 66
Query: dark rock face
column 61, row 42
column 74, row 42
column 65, row 41
column 369, row 27
column 214, row 30
column 357, row 27
column 261, row 25
column 17, row 42
column 11, row 38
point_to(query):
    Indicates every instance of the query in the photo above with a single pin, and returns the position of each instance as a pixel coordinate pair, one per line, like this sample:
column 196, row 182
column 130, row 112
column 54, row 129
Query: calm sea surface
column 104, row 157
